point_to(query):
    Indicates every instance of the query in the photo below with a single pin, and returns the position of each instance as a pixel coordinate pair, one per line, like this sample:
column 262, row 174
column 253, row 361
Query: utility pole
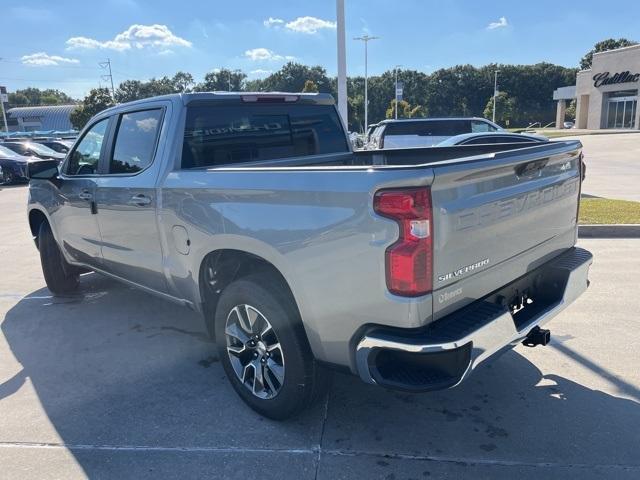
column 495, row 93
column 396, row 94
column 342, row 63
column 4, row 96
column 366, row 39
column 107, row 64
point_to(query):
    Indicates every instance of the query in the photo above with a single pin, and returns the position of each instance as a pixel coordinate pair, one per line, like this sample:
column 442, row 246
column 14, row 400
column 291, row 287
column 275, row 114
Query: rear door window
column 218, row 134
column 436, row 128
column 480, row 126
column 136, row 139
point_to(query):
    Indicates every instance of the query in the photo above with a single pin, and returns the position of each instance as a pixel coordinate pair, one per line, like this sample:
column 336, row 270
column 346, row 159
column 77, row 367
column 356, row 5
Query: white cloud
column 42, row 59
column 273, row 22
column 502, row 22
column 309, row 25
column 261, row 72
column 147, row 124
column 264, row 54
column 136, row 36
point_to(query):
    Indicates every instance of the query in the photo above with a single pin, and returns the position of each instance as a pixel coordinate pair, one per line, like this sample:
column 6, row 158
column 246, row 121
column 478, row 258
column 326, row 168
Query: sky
column 61, row 44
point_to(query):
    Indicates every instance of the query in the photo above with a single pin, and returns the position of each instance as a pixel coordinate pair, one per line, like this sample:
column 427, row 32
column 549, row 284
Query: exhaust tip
column 537, row 336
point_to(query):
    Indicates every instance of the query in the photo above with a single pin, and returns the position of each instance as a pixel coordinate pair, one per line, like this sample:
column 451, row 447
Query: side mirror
column 43, row 169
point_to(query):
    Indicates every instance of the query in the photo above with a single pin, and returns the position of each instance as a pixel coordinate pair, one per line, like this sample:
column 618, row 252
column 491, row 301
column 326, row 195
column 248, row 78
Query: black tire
column 60, row 277
column 7, row 178
column 304, row 379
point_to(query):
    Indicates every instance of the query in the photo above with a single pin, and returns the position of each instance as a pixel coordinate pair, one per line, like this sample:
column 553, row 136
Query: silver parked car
column 493, row 138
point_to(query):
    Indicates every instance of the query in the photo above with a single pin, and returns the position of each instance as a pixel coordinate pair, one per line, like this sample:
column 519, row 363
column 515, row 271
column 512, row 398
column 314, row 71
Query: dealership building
column 607, row 93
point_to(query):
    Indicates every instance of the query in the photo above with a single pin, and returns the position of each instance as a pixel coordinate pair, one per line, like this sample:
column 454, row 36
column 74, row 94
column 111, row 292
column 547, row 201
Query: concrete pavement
column 116, row 383
column 613, row 165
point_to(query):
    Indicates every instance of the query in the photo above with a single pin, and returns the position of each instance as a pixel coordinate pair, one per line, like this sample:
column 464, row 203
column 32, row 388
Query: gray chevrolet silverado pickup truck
column 408, row 268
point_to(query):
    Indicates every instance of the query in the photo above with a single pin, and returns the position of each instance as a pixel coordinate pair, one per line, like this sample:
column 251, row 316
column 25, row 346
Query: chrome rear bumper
column 457, row 344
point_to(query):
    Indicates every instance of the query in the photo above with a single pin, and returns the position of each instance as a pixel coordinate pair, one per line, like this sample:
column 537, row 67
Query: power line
column 107, row 64
column 74, row 67
column 16, row 79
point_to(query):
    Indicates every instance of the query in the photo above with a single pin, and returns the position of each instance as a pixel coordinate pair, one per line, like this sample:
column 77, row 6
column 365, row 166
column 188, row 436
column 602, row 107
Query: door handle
column 140, row 200
column 85, row 195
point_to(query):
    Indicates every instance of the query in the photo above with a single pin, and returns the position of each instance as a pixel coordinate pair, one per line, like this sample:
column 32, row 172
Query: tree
column 183, row 82
column 292, row 78
column 96, row 101
column 570, row 113
column 603, row 46
column 405, row 110
column 130, row 90
column 222, row 80
column 505, row 107
column 35, row 96
column 310, row 87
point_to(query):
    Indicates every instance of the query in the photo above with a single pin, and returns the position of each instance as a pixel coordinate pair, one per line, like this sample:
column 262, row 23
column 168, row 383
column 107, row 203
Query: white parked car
column 425, row 132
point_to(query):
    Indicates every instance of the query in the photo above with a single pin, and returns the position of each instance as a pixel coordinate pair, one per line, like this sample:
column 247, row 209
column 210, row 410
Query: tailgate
column 498, row 217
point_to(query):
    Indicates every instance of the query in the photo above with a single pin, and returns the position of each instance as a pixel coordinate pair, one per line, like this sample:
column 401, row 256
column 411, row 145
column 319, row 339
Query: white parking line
column 314, row 451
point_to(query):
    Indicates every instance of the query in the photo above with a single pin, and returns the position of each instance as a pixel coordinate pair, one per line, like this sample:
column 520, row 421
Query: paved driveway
column 613, row 165
column 116, row 383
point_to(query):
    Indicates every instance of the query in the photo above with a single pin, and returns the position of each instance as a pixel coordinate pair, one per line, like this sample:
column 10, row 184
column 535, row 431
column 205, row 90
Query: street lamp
column 495, row 93
column 342, row 62
column 366, row 39
column 396, row 95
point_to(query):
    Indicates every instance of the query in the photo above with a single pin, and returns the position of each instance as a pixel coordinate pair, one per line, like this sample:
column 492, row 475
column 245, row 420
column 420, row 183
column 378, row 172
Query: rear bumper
column 445, row 352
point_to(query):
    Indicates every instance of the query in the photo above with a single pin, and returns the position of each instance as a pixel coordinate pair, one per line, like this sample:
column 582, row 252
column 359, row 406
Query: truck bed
column 403, row 157
column 493, row 221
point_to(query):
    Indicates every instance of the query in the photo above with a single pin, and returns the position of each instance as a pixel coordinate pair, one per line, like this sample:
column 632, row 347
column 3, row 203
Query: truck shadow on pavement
column 117, row 368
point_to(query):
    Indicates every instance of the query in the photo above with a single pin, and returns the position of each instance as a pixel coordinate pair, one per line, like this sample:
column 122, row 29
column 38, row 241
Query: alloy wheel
column 254, row 351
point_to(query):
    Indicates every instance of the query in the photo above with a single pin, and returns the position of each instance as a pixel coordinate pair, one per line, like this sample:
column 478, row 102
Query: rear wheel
column 264, row 350
column 7, row 177
column 61, row 278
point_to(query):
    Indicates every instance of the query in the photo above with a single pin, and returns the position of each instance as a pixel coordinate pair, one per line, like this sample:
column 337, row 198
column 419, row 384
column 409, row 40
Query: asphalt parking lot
column 613, row 165
column 117, row 383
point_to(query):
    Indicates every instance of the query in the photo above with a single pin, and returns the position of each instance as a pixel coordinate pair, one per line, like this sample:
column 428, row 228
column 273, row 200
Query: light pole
column 495, row 93
column 342, row 63
column 366, row 39
column 396, row 95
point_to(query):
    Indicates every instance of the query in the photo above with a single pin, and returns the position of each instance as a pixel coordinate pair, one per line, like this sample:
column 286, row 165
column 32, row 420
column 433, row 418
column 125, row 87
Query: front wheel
column 263, row 348
column 60, row 277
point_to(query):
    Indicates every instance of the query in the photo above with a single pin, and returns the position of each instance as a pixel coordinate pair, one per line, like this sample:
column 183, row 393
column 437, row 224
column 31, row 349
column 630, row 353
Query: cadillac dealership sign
column 604, row 78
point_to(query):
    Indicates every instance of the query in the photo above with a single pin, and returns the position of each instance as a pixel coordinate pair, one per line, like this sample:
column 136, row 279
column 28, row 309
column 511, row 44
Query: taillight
column 409, row 261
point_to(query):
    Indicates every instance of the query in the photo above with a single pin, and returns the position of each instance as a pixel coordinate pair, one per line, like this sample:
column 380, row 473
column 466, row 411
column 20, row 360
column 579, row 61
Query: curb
column 609, row 231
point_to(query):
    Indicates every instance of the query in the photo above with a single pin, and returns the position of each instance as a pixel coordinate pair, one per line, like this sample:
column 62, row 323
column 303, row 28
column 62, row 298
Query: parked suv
column 425, row 132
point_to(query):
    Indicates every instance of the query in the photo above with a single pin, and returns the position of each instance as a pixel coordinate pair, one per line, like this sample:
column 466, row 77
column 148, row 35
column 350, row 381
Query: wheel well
column 221, row 267
column 36, row 217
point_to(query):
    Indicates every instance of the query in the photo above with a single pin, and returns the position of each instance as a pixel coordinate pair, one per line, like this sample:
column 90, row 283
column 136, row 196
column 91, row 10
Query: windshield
column 43, row 150
column 7, row 153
